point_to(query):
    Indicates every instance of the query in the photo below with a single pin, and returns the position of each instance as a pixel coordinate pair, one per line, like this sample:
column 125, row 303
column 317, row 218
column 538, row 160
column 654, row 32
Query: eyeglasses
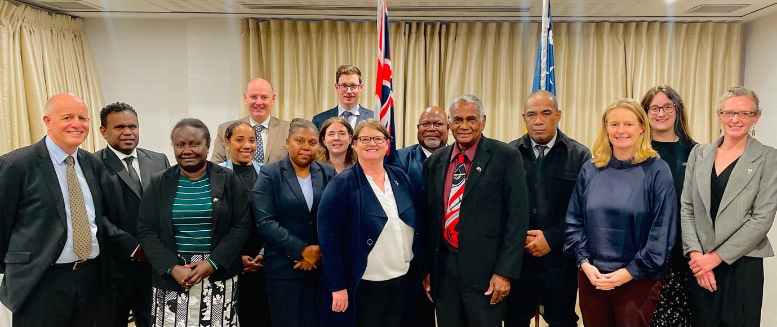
column 345, row 87
column 377, row 139
column 668, row 108
column 437, row 125
column 741, row 114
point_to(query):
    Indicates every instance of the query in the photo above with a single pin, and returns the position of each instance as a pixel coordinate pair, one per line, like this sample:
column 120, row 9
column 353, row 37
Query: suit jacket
column 33, row 222
column 231, row 221
column 411, row 161
column 282, row 215
column 276, row 140
column 746, row 210
column 551, row 187
column 364, row 114
column 350, row 220
column 493, row 219
column 121, row 203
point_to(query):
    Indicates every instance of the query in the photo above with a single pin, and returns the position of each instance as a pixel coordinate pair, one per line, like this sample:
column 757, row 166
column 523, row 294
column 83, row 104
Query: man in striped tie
column 475, row 200
column 270, row 131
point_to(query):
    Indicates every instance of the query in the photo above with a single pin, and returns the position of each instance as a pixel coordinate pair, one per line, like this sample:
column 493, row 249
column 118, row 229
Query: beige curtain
column 42, row 54
column 596, row 63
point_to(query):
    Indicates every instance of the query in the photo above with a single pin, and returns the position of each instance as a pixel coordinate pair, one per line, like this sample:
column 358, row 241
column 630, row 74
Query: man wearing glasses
column 349, row 86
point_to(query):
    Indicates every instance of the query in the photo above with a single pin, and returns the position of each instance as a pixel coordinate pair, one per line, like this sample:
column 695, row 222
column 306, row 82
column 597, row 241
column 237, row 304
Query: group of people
column 312, row 223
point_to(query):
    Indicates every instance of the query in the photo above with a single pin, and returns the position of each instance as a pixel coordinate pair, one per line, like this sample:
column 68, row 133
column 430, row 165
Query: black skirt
column 739, row 297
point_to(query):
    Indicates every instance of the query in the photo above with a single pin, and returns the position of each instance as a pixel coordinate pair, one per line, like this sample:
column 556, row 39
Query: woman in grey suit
column 728, row 204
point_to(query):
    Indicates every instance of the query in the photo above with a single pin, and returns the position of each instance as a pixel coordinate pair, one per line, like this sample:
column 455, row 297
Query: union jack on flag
column 384, row 89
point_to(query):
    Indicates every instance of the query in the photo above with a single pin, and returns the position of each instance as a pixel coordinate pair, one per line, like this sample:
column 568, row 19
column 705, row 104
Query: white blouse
column 393, row 251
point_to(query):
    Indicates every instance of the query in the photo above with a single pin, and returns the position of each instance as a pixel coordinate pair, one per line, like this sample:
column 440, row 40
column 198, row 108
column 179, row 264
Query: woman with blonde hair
column 620, row 224
column 336, row 135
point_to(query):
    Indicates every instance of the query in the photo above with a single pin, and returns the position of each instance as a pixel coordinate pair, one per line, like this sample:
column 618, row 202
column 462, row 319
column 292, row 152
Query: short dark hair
column 231, row 129
column 195, row 123
column 111, row 108
column 348, row 70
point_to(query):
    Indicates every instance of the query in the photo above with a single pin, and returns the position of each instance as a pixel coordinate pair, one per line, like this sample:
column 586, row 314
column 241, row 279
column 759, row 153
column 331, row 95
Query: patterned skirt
column 207, row 304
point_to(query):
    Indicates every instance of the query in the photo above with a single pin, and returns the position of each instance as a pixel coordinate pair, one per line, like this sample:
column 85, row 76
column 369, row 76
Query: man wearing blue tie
column 349, row 86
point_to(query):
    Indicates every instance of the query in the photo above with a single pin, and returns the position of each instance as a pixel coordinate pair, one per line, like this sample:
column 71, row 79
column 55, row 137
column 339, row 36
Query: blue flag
column 544, row 70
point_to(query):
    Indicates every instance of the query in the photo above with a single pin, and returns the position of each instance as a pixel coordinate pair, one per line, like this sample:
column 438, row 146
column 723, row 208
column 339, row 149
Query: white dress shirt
column 354, row 116
column 58, row 157
column 135, row 164
column 266, row 124
column 550, row 144
column 393, row 251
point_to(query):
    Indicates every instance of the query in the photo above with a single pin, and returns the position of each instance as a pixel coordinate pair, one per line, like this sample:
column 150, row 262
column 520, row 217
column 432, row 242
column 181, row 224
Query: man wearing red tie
column 475, row 198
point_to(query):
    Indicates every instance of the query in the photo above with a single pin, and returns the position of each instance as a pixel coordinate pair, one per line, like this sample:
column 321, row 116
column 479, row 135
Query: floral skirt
column 206, row 304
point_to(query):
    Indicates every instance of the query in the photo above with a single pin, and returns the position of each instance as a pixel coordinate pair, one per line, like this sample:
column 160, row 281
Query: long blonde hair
column 602, row 150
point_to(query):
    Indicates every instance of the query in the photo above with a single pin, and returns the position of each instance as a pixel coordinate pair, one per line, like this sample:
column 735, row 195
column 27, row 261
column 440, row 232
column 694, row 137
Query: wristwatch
column 580, row 265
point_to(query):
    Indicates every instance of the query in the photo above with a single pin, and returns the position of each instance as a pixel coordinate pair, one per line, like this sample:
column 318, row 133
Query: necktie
column 540, row 153
column 82, row 235
column 347, row 115
column 133, row 175
column 450, row 230
column 259, row 156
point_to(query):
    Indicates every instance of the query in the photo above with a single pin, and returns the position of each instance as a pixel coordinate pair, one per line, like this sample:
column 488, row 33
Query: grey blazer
column 746, row 210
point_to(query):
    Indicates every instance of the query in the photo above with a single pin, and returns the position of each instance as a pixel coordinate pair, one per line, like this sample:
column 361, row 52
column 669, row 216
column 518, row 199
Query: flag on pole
column 544, row 70
column 384, row 90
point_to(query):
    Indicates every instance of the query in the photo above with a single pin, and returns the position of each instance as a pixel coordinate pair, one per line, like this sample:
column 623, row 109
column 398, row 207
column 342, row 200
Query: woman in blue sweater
column 621, row 221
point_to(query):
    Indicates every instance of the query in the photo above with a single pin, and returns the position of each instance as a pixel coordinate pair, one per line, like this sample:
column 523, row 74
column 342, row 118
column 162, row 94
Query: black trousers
column 461, row 305
column 293, row 301
column 253, row 304
column 549, row 281
column 62, row 298
column 380, row 304
column 124, row 295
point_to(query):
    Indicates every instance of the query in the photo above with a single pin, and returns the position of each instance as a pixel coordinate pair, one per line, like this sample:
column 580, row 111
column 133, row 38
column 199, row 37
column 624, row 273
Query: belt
column 73, row 265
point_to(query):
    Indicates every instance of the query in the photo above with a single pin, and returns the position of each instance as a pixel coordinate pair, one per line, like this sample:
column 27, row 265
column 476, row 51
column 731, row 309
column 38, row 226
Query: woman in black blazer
column 367, row 227
column 286, row 197
column 194, row 219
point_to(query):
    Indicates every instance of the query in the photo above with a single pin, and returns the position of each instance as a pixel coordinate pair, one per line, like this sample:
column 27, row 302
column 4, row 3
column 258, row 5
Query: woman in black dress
column 671, row 139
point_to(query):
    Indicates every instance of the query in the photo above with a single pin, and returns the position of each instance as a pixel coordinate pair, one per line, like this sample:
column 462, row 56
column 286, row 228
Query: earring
column 752, row 131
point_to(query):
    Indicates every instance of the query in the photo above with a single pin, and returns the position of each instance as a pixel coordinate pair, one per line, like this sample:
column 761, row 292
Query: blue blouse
column 623, row 216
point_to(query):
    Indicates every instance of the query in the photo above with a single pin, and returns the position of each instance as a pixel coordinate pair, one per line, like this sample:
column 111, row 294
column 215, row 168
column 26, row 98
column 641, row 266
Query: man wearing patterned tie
column 270, row 131
column 52, row 229
column 348, row 84
column 551, row 161
column 475, row 202
column 127, row 169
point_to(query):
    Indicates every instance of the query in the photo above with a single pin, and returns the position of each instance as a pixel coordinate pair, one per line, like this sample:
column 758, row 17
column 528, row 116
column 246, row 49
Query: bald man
column 271, row 132
column 51, row 223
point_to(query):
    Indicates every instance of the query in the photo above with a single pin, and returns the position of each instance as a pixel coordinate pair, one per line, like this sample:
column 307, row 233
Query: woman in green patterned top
column 194, row 219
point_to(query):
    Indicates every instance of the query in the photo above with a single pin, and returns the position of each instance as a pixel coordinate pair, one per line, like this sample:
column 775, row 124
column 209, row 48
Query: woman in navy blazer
column 367, row 240
column 286, row 197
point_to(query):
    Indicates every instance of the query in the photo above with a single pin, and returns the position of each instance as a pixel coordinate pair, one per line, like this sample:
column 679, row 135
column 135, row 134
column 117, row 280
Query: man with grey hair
column 475, row 202
column 551, row 163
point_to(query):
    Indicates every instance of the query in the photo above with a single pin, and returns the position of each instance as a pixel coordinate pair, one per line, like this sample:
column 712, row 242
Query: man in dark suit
column 127, row 169
column 348, row 84
column 475, row 200
column 270, row 131
column 51, row 223
column 432, row 135
column 552, row 162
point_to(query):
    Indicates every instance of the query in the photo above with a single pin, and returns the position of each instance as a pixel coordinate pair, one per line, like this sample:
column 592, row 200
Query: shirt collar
column 57, row 153
column 550, row 144
column 123, row 156
column 265, row 123
column 470, row 153
column 354, row 110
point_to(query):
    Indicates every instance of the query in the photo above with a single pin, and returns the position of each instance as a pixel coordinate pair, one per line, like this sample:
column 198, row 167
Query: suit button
column 436, row 250
column 535, row 185
column 369, row 241
column 534, row 210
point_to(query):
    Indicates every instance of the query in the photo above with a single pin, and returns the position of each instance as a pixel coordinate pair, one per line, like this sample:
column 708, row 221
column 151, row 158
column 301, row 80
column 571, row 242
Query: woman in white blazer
column 727, row 207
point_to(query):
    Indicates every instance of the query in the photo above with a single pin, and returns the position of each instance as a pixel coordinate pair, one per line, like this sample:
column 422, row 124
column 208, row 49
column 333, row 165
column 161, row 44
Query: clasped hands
column 252, row 264
column 191, row 274
column 701, row 265
column 606, row 282
column 311, row 258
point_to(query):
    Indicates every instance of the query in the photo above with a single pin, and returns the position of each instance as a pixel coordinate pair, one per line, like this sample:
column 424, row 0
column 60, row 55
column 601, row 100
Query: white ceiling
column 414, row 10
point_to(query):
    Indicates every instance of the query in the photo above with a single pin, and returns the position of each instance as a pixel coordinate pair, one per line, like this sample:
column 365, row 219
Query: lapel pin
column 478, row 169
column 215, row 200
column 395, row 182
column 749, row 171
